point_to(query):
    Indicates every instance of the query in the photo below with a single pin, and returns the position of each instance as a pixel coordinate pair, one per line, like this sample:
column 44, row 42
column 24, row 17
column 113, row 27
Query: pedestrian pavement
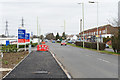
column 37, row 65
column 109, row 49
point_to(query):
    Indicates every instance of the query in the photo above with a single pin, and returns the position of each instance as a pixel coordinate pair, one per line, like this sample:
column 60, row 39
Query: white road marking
column 103, row 60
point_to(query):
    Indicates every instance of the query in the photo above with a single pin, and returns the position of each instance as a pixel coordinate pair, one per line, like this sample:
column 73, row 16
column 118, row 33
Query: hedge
column 9, row 48
column 92, row 45
column 13, row 47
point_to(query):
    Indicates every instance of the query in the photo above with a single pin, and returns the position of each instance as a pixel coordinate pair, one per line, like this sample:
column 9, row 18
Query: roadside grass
column 108, row 52
column 110, row 46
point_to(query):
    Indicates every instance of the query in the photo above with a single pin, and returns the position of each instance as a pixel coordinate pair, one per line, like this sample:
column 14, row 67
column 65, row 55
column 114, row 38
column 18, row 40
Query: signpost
column 7, row 42
column 27, row 38
column 32, row 34
column 21, row 37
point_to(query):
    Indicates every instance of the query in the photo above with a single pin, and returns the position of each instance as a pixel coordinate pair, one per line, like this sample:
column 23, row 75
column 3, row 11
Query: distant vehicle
column 58, row 40
column 70, row 42
column 78, row 40
column 63, row 43
column 53, row 41
column 46, row 40
column 107, row 46
column 43, row 42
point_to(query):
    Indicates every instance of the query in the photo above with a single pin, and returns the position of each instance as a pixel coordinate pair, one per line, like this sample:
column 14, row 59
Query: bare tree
column 116, row 37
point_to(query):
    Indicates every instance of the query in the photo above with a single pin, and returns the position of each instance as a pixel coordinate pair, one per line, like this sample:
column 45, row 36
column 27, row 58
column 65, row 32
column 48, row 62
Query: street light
column 97, row 23
column 37, row 30
column 83, row 20
column 64, row 26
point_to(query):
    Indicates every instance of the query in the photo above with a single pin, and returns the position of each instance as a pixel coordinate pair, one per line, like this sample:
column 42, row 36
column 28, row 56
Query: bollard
column 29, row 48
column 1, row 55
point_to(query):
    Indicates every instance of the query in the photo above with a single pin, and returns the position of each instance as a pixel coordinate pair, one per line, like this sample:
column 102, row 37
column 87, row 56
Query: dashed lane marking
column 103, row 60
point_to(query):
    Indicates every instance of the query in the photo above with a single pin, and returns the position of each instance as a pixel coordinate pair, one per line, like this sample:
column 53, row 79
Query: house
column 103, row 32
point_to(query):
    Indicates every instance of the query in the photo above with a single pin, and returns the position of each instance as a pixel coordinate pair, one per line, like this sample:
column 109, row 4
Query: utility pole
column 80, row 26
column 6, row 30
column 97, row 23
column 83, row 21
column 25, row 33
column 37, row 30
column 64, row 25
column 97, row 28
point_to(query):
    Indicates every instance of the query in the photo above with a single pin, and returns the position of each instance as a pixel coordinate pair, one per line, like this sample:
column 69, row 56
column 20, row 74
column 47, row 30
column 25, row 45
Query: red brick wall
column 103, row 29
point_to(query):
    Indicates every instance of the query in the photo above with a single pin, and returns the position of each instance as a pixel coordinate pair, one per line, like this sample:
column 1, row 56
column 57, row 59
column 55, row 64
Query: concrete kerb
column 16, row 66
column 66, row 72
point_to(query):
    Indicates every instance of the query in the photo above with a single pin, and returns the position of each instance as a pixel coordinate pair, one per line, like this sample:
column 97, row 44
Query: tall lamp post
column 83, row 21
column 80, row 28
column 64, row 25
column 37, row 30
column 97, row 23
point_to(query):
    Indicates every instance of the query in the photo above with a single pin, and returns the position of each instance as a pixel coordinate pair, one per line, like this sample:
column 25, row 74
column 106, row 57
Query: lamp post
column 80, row 28
column 37, row 30
column 83, row 21
column 64, row 25
column 97, row 23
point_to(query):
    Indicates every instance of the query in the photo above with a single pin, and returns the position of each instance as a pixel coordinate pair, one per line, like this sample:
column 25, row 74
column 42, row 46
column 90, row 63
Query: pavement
column 37, row 65
column 109, row 49
column 83, row 63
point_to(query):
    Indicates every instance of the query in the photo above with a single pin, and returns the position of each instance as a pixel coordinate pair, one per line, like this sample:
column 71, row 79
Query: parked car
column 53, row 41
column 63, row 43
column 58, row 41
column 70, row 42
column 43, row 42
column 107, row 46
column 46, row 40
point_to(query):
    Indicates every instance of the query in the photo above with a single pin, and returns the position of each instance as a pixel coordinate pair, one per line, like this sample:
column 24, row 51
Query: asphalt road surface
column 38, row 65
column 83, row 63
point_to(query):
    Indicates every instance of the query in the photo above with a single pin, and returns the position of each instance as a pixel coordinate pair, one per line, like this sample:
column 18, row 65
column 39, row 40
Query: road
column 83, row 63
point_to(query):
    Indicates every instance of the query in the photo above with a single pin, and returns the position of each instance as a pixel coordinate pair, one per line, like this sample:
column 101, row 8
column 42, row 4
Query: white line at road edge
column 15, row 66
column 68, row 75
column 103, row 60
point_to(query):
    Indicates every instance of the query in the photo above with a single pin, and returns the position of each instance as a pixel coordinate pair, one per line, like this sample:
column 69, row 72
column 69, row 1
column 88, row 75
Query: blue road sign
column 7, row 43
column 21, row 35
column 27, row 37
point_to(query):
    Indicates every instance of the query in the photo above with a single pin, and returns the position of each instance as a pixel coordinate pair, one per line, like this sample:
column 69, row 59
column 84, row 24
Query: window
column 99, row 32
column 103, row 31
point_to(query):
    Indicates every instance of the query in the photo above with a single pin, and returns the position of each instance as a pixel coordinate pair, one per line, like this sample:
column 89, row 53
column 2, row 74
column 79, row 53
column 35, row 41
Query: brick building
column 103, row 31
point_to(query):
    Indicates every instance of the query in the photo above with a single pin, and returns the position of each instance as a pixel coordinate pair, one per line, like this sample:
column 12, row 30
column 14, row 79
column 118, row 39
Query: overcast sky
column 52, row 13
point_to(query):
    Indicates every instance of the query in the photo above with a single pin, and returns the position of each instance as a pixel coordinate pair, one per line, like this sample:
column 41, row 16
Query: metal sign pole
column 30, row 48
column 17, row 42
column 25, row 46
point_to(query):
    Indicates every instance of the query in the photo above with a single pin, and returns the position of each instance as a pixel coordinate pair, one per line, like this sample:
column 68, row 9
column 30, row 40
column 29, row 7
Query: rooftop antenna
column 6, row 30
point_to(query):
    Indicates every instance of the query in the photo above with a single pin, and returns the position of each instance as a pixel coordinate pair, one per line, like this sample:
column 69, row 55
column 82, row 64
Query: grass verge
column 10, row 60
column 108, row 52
